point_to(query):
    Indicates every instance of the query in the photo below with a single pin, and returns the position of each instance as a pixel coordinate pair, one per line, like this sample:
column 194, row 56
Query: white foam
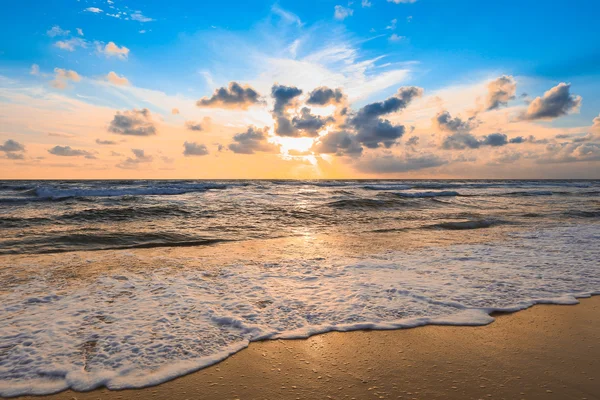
column 129, row 330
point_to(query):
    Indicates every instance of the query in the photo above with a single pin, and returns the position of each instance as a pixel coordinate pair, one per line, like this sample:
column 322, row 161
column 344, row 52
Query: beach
column 545, row 352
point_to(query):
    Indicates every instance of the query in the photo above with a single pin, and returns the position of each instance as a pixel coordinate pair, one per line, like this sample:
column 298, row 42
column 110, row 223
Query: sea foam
column 127, row 329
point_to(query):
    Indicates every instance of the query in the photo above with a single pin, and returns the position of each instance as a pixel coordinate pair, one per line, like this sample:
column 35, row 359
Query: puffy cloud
column 71, row 44
column 556, row 102
column 558, row 153
column 459, row 141
column 35, row 70
column 140, row 157
column 309, row 124
column 341, row 13
column 366, row 3
column 235, row 96
column 80, row 31
column 373, row 131
column 390, row 163
column 396, row 38
column 113, row 50
column 115, row 79
column 339, row 143
column 63, row 76
column 518, row 139
column 14, row 156
column 500, row 92
column 105, row 142
column 57, row 31
column 133, row 122
column 444, row 122
column 175, row 111
column 11, row 146
column 67, row 151
column 194, row 149
column 495, row 140
column 284, row 97
column 412, row 141
column 251, row 141
column 323, row 96
column 94, row 10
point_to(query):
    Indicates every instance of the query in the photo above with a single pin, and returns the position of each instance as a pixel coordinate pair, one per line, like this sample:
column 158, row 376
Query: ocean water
column 127, row 284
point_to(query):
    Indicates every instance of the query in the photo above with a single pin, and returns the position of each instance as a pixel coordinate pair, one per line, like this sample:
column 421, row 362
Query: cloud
column 309, row 124
column 140, row 157
column 62, row 78
column 251, row 141
column 133, row 123
column 286, row 15
column 80, row 31
column 323, row 96
column 392, row 25
column 67, row 151
column 138, row 16
column 556, row 102
column 413, row 141
column 518, row 139
column 235, row 96
column 57, row 31
column 193, row 126
column 35, row 70
column 396, row 38
column 105, row 142
column 14, row 156
column 558, row 153
column 115, row 79
column 175, row 111
column 500, row 91
column 71, row 44
column 342, row 13
column 113, row 50
column 94, row 10
column 366, row 3
column 495, row 140
column 464, row 140
column 402, row 1
column 444, row 122
column 11, row 146
column 194, row 149
column 284, row 97
column 389, row 164
column 339, row 143
column 373, row 131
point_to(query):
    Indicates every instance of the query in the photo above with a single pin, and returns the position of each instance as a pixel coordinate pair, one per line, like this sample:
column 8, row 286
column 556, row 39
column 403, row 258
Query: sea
column 128, row 284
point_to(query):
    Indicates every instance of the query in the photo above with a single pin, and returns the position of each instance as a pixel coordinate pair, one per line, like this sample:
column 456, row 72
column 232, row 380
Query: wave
column 365, row 203
column 419, row 195
column 464, row 225
column 583, row 213
column 103, row 241
column 55, row 193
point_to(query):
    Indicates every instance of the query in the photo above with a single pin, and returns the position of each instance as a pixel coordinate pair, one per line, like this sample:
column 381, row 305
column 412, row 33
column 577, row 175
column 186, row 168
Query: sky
column 313, row 89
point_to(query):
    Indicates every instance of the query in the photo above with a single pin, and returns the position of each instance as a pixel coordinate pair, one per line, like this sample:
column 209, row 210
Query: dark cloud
column 235, row 96
column 518, row 139
column 67, row 151
column 460, row 141
column 340, row 143
column 194, row 126
column 98, row 141
column 309, row 124
column 140, row 157
column 251, row 141
column 14, row 156
column 500, row 92
column 11, row 146
column 444, row 122
column 283, row 95
column 194, row 149
column 371, row 131
column 556, row 102
column 495, row 140
column 393, row 104
column 323, row 96
column 133, row 123
column 389, row 164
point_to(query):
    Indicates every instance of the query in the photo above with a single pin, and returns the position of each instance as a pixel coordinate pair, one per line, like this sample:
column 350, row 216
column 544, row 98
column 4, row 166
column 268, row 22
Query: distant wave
column 56, row 193
column 426, row 194
column 464, row 225
column 364, row 203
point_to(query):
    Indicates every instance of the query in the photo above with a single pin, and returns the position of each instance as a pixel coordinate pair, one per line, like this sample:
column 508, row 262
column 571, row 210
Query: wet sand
column 545, row 352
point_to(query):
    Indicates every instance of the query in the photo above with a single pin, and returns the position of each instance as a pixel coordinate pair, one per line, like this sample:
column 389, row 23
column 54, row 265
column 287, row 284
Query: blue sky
column 187, row 49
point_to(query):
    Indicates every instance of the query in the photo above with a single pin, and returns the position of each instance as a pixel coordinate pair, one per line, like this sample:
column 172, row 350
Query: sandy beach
column 545, row 352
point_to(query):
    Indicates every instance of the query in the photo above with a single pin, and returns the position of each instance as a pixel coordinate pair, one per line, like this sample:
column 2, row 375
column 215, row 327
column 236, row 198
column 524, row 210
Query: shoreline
column 294, row 370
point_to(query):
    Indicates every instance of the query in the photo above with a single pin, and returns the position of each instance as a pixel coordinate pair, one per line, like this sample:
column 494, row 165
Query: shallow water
column 199, row 269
